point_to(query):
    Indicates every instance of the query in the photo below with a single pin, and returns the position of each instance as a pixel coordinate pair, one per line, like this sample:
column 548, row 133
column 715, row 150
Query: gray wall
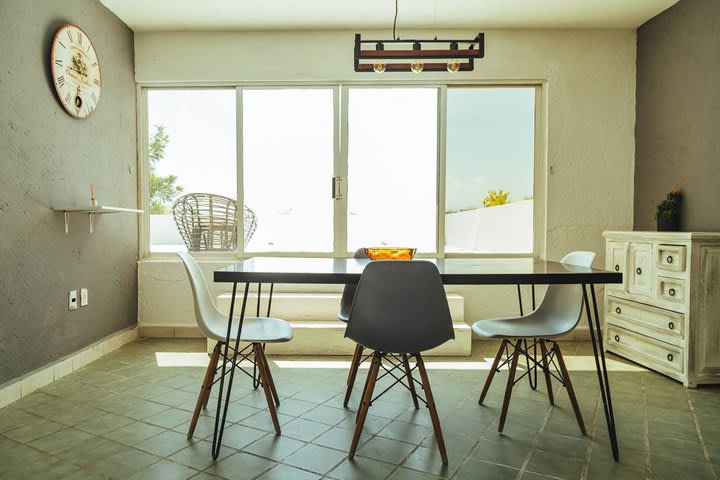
column 678, row 114
column 48, row 158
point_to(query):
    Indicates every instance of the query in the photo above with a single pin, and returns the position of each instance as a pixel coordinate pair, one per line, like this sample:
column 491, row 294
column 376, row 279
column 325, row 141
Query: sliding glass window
column 252, row 169
column 192, row 169
column 288, row 157
column 392, row 168
column 490, row 159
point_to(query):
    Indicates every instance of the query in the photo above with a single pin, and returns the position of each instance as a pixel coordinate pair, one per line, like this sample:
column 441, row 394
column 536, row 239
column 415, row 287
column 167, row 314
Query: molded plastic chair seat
column 258, row 330
column 531, row 326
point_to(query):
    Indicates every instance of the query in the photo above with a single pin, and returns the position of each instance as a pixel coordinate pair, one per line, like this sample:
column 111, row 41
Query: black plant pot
column 665, row 224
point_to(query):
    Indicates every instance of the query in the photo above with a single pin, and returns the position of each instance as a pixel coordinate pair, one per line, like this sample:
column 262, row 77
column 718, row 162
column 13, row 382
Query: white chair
column 255, row 330
column 558, row 313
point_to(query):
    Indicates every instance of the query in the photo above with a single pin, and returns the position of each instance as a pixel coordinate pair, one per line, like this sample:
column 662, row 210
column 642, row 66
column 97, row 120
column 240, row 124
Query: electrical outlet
column 83, row 297
column 72, row 300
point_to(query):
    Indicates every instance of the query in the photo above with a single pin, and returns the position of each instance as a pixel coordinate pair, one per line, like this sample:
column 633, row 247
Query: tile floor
column 126, row 417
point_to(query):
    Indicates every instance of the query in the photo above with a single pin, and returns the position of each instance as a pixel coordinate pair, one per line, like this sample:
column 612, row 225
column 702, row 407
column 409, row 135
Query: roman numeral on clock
column 69, row 34
column 58, row 62
column 61, row 80
column 79, row 38
column 96, row 82
column 67, row 98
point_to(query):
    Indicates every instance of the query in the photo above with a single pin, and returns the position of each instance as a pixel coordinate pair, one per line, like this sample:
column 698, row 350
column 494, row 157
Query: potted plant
column 668, row 212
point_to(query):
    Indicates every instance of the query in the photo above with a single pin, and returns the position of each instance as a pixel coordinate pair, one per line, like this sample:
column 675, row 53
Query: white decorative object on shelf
column 665, row 313
column 92, row 211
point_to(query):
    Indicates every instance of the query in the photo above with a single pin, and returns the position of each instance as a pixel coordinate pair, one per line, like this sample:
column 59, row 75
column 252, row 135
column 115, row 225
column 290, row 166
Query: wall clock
column 76, row 71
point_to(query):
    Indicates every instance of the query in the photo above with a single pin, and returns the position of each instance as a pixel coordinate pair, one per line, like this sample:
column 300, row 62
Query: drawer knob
column 669, row 259
column 671, row 325
column 617, row 268
column 617, row 310
column 671, row 292
column 638, row 271
column 617, row 338
column 670, row 357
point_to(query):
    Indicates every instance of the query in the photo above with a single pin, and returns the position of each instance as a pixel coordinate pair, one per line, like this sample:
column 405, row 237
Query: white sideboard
column 666, row 313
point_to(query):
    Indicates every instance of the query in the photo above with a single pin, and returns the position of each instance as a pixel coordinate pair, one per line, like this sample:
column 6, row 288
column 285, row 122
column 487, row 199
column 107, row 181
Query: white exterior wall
column 587, row 144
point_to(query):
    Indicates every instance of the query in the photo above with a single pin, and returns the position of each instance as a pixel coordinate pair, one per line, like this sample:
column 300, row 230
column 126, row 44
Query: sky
column 490, row 144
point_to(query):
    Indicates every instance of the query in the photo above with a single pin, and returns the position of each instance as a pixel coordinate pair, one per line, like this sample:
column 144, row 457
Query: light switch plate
column 83, row 297
column 72, row 300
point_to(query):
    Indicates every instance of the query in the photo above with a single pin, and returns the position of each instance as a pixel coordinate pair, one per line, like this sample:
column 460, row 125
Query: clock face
column 76, row 71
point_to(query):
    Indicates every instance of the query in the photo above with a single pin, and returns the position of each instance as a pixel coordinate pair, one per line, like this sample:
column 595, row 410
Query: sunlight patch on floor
column 578, row 363
column 186, row 359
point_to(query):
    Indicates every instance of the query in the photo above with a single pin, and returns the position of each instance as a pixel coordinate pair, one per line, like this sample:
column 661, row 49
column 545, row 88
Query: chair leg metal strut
column 401, row 364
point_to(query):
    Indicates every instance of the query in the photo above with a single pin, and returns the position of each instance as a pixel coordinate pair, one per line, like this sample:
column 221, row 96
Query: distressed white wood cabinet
column 666, row 313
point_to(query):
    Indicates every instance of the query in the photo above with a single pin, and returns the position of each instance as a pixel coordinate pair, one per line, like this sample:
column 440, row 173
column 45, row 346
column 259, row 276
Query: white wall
column 589, row 106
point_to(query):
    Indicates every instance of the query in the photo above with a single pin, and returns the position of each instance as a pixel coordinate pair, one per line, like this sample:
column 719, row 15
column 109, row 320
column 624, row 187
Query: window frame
column 340, row 140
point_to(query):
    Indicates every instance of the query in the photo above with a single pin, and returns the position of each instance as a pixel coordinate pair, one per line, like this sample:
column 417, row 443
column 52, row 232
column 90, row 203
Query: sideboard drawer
column 648, row 351
column 671, row 257
column 671, row 289
column 650, row 320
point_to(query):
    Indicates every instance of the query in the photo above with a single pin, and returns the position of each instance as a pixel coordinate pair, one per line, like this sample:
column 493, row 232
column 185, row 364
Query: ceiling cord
column 395, row 21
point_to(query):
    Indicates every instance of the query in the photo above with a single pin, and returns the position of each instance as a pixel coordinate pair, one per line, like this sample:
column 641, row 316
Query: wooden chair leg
column 510, row 384
column 354, row 366
column 365, row 405
column 546, row 371
column 493, row 369
column 433, row 410
column 204, row 389
column 569, row 388
column 273, row 390
column 262, row 371
column 214, row 363
column 411, row 382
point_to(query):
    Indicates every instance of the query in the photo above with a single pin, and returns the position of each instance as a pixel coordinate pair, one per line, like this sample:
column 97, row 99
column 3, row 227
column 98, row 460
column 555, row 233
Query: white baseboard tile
column 14, row 390
column 150, row 331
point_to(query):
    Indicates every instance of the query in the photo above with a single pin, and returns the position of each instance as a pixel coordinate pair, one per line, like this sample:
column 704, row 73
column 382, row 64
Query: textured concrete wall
column 47, row 158
column 678, row 114
column 588, row 140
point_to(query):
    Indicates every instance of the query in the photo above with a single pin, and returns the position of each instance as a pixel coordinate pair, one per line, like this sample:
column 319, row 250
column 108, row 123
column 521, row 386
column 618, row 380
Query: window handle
column 336, row 188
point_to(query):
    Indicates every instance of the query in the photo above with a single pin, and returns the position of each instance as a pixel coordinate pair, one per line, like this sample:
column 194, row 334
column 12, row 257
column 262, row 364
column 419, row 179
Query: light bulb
column 453, row 65
column 379, row 66
column 416, row 66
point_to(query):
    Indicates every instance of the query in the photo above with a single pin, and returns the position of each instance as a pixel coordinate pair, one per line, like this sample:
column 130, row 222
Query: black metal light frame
column 476, row 49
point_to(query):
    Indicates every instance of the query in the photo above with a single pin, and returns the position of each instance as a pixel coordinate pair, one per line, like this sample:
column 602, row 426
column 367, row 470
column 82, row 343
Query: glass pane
column 288, row 164
column 392, row 168
column 490, row 158
column 192, row 151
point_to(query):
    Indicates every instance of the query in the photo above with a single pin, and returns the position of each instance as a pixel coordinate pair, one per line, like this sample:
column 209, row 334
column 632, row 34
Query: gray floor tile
column 386, row 449
column 361, row 469
column 474, row 469
column 146, row 411
column 124, row 463
column 164, row 470
column 165, row 444
column 315, row 458
column 241, row 466
column 284, row 472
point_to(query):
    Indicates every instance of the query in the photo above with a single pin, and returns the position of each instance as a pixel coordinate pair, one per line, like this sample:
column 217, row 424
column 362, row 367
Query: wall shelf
column 92, row 211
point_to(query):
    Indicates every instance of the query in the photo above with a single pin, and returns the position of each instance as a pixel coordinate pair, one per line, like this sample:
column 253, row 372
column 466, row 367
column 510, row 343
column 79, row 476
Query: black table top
column 454, row 271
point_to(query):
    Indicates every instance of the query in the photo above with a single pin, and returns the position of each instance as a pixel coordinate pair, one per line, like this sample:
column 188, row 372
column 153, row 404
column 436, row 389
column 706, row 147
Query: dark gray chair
column 400, row 308
column 343, row 315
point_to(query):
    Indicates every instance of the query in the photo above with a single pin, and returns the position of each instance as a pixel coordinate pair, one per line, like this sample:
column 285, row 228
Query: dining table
column 453, row 271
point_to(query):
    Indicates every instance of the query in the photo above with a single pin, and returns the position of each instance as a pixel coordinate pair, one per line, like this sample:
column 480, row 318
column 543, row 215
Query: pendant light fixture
column 409, row 55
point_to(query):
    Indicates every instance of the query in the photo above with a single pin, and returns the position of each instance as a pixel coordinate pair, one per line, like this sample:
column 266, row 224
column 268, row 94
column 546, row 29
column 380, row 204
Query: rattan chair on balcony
column 208, row 222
